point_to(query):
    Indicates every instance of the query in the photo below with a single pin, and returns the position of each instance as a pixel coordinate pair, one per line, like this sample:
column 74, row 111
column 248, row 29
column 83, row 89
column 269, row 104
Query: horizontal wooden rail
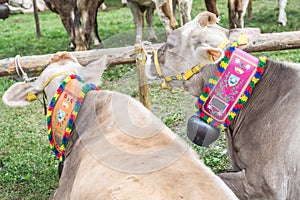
column 125, row 55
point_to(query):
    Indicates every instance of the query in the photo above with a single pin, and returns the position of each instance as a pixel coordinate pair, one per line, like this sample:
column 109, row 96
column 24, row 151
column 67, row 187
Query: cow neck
column 229, row 88
column 62, row 112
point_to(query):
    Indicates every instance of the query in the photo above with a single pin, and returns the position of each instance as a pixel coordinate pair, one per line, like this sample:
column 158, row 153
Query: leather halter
column 183, row 76
column 55, row 76
column 47, row 83
column 32, row 97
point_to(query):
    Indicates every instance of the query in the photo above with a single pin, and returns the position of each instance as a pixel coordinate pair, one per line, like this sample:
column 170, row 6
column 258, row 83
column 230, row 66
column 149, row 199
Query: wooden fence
column 125, row 55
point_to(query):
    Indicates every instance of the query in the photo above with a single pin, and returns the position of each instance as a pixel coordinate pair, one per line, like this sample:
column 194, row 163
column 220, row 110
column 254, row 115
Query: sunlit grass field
column 28, row 168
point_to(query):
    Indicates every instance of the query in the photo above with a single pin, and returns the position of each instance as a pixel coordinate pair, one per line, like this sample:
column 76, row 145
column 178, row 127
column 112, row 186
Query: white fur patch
column 148, row 68
column 188, row 27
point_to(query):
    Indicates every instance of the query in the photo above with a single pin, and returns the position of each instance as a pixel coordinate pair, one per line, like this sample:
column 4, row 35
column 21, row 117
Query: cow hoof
column 201, row 133
column 98, row 46
column 71, row 48
column 152, row 39
column 281, row 24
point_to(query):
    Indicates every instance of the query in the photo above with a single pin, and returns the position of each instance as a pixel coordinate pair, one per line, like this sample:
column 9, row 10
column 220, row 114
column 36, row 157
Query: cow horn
column 205, row 18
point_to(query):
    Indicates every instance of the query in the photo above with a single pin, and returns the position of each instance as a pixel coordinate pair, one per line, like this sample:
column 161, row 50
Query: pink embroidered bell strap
column 230, row 87
column 62, row 112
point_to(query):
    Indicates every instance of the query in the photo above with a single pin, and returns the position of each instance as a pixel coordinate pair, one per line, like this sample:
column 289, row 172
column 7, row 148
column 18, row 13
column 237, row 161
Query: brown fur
column 71, row 14
column 166, row 8
column 211, row 6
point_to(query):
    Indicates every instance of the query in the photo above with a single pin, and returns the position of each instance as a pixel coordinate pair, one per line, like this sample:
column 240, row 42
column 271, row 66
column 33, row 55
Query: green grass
column 29, row 168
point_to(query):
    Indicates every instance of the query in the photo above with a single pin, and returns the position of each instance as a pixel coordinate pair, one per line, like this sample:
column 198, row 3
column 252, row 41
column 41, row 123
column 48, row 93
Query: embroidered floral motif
column 224, row 88
column 62, row 111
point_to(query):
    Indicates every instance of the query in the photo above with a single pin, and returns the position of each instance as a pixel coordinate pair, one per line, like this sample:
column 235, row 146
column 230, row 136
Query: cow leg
column 231, row 14
column 67, row 22
column 185, row 9
column 138, row 19
column 211, row 6
column 78, row 35
column 149, row 18
column 237, row 181
column 166, row 16
column 90, row 26
column 238, row 11
column 249, row 9
column 235, row 14
column 282, row 15
column 97, row 40
column 174, row 3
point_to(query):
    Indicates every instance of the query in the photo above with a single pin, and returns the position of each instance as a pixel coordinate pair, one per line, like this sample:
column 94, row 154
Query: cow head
column 199, row 42
column 60, row 66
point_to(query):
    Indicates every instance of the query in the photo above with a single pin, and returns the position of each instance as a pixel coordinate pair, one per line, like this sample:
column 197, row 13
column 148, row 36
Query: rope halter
column 21, row 73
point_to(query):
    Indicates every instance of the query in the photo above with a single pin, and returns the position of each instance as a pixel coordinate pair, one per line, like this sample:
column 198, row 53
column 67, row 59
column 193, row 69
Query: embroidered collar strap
column 230, row 87
column 63, row 110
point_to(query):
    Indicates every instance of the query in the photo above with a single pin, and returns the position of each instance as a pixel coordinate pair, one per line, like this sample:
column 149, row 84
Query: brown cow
column 118, row 149
column 237, row 11
column 164, row 11
column 211, row 6
column 79, row 18
column 263, row 140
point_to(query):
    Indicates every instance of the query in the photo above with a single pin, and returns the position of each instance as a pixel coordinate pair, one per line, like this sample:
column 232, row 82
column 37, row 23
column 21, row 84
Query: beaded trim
column 60, row 153
column 214, row 80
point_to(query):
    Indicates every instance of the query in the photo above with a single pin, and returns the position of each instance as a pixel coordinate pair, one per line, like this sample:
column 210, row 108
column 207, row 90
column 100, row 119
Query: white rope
column 20, row 70
column 143, row 47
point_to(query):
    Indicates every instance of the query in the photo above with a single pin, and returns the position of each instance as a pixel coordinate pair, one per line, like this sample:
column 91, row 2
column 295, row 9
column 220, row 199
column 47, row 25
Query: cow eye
column 170, row 45
column 162, row 50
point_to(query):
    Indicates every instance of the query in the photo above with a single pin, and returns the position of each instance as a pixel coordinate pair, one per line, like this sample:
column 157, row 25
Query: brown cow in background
column 164, row 11
column 79, row 18
column 211, row 6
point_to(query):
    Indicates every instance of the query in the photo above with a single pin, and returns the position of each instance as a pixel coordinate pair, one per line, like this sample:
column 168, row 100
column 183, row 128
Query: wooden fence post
column 37, row 21
column 140, row 58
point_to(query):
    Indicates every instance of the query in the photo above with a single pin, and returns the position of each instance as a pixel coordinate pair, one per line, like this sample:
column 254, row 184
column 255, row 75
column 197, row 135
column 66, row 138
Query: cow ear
column 206, row 18
column 20, row 94
column 93, row 71
column 215, row 54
